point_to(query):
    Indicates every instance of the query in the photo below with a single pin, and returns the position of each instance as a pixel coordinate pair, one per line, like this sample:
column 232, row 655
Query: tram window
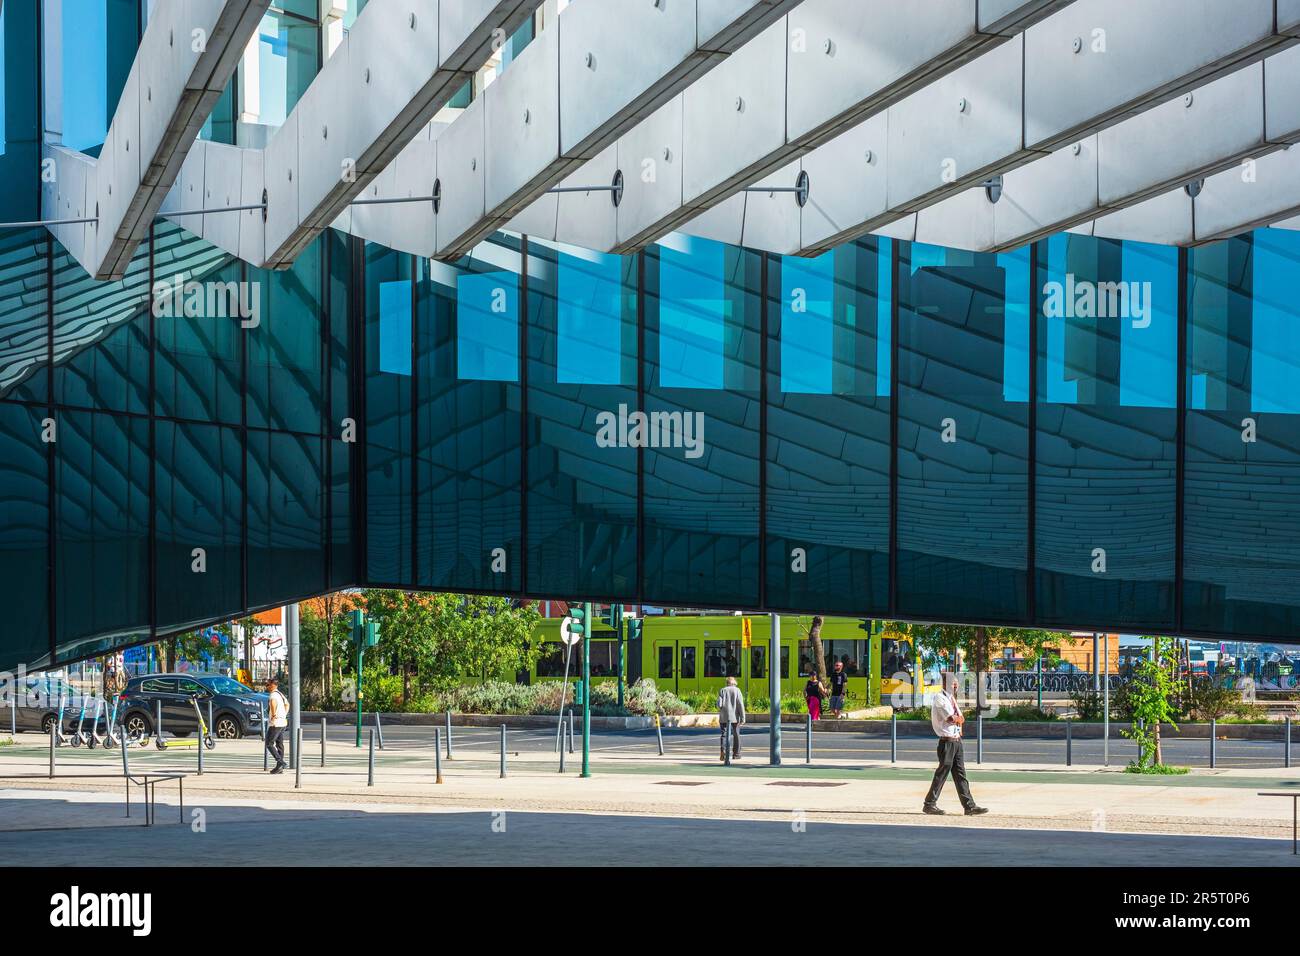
column 604, row 658
column 688, row 663
column 722, row 658
column 665, row 662
column 895, row 658
column 852, row 654
column 551, row 661
column 758, row 662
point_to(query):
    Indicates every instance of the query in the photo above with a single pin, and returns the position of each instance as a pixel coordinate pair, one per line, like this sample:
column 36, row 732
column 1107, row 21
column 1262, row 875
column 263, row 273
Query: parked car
column 38, row 706
column 236, row 709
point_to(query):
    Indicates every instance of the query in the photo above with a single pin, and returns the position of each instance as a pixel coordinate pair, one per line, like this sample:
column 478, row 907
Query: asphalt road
column 839, row 746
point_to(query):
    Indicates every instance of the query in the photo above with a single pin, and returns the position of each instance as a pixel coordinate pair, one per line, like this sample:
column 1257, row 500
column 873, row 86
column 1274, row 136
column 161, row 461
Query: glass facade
column 1083, row 433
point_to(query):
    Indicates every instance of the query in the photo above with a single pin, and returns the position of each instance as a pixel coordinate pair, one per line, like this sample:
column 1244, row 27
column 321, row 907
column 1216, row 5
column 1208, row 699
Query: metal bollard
column 370, row 776
column 158, row 728
column 893, row 738
column 1213, row 742
column 570, row 730
column 265, row 755
column 1287, row 745
column 562, row 752
column 659, row 733
column 503, row 750
column 199, row 749
column 437, row 756
column 13, row 718
column 807, row 757
column 322, row 741
column 54, row 732
column 1069, row 743
column 449, row 757
column 297, row 763
column 379, row 727
column 979, row 736
column 210, row 730
column 726, row 743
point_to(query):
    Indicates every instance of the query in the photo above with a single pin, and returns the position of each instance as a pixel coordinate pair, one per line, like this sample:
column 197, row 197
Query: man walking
column 731, row 714
column 947, row 720
column 839, row 681
column 277, row 719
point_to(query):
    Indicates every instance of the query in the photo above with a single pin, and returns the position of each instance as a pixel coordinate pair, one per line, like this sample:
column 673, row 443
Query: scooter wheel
column 143, row 742
column 109, row 743
column 210, row 742
column 91, row 743
column 160, row 744
column 76, row 741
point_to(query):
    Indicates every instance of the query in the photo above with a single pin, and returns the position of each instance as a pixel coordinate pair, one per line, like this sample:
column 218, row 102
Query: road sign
column 746, row 632
column 568, row 634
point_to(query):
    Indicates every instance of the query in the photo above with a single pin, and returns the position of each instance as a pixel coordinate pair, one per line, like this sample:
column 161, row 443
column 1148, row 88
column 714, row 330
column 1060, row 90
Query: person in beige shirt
column 277, row 719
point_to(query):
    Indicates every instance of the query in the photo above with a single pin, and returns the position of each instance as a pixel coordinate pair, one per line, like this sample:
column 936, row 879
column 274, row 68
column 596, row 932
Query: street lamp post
column 774, row 690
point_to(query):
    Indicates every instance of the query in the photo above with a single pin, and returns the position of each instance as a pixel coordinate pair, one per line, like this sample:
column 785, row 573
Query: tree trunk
column 171, row 656
column 815, row 636
column 327, row 677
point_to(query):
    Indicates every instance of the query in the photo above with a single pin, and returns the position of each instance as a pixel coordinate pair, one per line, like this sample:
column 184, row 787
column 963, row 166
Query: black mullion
column 1181, row 439
column 523, row 415
column 1031, row 544
column 51, row 501
column 357, row 390
column 243, row 458
column 640, row 449
column 327, row 408
column 762, row 433
column 153, row 452
column 893, row 425
column 415, row 429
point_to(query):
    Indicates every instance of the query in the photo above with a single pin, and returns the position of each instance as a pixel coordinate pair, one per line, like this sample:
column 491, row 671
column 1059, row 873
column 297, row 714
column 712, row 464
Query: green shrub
column 1023, row 712
column 1089, row 704
column 1156, row 768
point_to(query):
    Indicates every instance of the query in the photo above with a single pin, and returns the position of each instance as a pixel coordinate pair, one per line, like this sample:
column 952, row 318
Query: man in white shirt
column 947, row 720
column 277, row 719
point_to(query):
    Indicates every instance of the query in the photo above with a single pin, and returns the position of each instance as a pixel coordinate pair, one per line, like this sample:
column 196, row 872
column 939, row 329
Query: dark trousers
column 951, row 760
column 731, row 730
column 275, row 744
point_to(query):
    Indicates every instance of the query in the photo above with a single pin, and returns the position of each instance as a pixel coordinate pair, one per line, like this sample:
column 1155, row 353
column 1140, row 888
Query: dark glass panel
column 101, row 336
column 1241, row 505
column 470, row 465
column 286, row 518
column 198, row 364
column 198, row 478
column 1107, row 430
column 24, row 316
column 284, row 348
column 388, row 416
column 963, row 436
column 703, row 328
column 102, row 502
column 828, row 430
column 343, row 569
column 582, row 512
column 24, row 538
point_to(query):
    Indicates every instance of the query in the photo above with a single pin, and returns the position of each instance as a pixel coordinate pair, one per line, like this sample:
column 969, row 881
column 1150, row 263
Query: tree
column 970, row 642
column 194, row 646
column 490, row 635
column 413, row 629
column 324, row 638
column 251, row 628
column 1151, row 691
column 819, row 656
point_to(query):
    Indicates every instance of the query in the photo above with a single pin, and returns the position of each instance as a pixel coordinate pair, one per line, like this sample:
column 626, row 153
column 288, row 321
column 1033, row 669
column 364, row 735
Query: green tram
column 693, row 653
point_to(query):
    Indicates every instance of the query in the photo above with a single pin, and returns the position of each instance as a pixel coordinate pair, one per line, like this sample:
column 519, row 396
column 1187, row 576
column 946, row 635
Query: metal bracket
column 1194, row 188
column 993, row 188
column 615, row 189
column 801, row 188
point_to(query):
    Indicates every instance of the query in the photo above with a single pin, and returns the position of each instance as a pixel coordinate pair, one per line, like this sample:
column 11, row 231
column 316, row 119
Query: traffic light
column 372, row 633
column 578, row 620
column 357, row 620
column 613, row 614
column 634, row 628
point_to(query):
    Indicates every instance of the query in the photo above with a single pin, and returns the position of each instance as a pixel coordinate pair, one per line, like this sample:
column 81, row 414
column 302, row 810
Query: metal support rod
column 37, row 223
column 893, row 738
column 209, row 212
column 774, row 690
column 297, row 764
column 293, row 640
column 322, row 741
column 389, row 202
column 1213, row 742
column 584, row 189
column 437, row 756
column 370, row 774
column 503, row 750
column 449, row 757
column 379, row 726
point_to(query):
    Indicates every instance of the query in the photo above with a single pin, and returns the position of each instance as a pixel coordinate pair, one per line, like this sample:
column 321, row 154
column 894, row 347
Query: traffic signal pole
column 586, row 693
column 774, row 690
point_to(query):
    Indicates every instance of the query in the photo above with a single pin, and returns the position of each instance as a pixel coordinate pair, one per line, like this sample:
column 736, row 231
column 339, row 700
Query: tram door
column 677, row 665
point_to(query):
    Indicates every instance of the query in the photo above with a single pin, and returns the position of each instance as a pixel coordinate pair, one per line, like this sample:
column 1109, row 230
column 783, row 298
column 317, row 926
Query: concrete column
column 295, row 686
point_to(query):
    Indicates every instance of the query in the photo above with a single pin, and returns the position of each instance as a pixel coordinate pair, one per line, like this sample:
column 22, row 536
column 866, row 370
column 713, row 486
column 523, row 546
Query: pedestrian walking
column 277, row 719
column 947, row 720
column 731, row 714
column 813, row 692
column 839, row 682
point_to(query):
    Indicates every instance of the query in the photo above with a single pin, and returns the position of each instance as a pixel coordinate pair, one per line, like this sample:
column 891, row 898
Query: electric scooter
column 91, row 737
column 79, row 736
column 203, row 739
column 60, row 738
